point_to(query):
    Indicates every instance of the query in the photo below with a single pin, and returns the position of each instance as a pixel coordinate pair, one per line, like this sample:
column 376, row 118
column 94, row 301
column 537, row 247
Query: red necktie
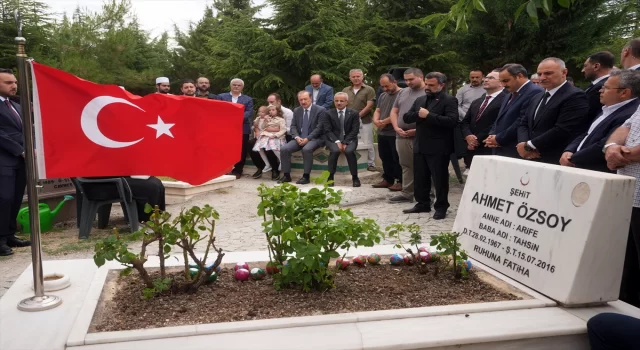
column 513, row 95
column 13, row 111
column 484, row 105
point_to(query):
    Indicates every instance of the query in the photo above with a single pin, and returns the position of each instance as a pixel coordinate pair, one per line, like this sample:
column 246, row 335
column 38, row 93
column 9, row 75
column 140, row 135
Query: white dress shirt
column 606, row 112
column 600, row 79
column 234, row 99
column 634, row 67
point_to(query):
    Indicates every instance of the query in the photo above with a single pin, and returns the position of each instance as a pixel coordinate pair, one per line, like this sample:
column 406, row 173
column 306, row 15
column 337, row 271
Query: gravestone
column 560, row 231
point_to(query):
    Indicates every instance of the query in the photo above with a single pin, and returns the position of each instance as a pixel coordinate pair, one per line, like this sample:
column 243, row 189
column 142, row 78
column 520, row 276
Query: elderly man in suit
column 236, row 96
column 596, row 68
column 554, row 118
column 13, row 177
column 619, row 94
column 482, row 113
column 307, row 130
column 435, row 115
column 321, row 93
column 341, row 127
column 504, row 132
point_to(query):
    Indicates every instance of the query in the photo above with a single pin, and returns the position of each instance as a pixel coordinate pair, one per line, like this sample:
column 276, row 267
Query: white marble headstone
column 560, row 231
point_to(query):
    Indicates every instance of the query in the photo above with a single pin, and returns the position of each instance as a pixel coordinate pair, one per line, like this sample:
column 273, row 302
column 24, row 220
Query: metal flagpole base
column 42, row 303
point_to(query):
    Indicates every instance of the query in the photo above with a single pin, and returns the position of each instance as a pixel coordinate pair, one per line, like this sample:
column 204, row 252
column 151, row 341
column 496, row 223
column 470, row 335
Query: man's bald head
column 316, row 80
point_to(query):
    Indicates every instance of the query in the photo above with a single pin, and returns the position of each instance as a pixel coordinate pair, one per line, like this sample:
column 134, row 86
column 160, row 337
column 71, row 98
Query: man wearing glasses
column 619, row 95
column 481, row 115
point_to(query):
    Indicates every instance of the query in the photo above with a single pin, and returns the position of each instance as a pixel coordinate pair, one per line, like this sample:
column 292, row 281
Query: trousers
column 391, row 170
column 426, row 167
column 610, row 331
column 404, row 146
column 349, row 153
column 13, row 181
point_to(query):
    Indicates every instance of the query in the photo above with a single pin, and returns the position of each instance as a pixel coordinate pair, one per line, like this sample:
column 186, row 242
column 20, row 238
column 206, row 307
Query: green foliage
column 185, row 231
column 448, row 247
column 415, row 239
column 306, row 230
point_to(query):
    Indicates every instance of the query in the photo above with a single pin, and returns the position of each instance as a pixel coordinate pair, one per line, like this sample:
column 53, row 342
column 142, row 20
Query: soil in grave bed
column 369, row 288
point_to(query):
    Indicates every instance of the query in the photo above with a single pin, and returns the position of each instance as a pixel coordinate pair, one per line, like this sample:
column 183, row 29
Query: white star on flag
column 162, row 128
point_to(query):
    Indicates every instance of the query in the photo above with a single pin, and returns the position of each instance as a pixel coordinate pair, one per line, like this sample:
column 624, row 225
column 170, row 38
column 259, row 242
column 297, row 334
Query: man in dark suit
column 481, row 115
column 620, row 98
column 321, row 93
column 596, row 68
column 13, row 177
column 554, row 118
column 435, row 115
column 341, row 126
column 307, row 130
column 503, row 136
column 236, row 96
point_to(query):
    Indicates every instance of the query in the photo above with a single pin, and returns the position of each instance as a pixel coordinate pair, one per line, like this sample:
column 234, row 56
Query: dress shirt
column 606, row 111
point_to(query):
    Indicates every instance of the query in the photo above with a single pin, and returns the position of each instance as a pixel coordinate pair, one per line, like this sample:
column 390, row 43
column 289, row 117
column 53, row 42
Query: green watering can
column 46, row 216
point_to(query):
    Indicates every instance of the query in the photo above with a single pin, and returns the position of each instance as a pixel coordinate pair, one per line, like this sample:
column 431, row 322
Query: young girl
column 272, row 128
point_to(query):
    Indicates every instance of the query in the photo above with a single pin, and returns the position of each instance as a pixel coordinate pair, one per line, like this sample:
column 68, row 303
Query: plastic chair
column 88, row 207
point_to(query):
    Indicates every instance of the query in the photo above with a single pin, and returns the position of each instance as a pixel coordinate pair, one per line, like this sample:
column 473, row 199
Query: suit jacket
column 351, row 126
column 325, row 95
column 593, row 96
column 434, row 134
column 316, row 128
column 563, row 119
column 11, row 137
column 590, row 155
column 248, row 109
column 482, row 126
column 506, row 124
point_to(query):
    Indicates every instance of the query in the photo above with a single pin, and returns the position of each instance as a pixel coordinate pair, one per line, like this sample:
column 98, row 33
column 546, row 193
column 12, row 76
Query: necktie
column 513, row 96
column 482, row 108
column 543, row 104
column 13, row 111
column 305, row 124
column 341, row 117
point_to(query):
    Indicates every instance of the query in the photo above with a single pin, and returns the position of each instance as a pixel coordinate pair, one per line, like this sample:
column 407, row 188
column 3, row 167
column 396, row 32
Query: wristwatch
column 604, row 149
column 528, row 148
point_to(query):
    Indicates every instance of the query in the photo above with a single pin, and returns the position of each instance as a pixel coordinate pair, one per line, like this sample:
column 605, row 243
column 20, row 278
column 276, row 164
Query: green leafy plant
column 304, row 230
column 450, row 251
column 415, row 239
column 185, row 231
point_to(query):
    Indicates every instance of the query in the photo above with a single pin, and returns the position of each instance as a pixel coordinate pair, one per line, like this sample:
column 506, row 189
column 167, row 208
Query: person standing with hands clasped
column 341, row 127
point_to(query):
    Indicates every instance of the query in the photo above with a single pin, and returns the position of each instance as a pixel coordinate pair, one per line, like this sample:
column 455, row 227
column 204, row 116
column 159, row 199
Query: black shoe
column 417, row 209
column 257, row 174
column 5, row 249
column 275, row 174
column 14, row 242
column 439, row 215
column 356, row 182
column 400, row 199
column 303, row 181
column 285, row 178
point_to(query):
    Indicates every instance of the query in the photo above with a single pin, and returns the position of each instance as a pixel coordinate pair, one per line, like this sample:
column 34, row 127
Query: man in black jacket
column 13, row 176
column 341, row 126
column 435, row 115
column 596, row 68
column 554, row 118
column 619, row 95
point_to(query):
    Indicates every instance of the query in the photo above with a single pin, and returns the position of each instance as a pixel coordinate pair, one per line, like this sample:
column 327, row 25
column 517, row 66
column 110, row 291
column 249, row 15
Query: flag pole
column 40, row 301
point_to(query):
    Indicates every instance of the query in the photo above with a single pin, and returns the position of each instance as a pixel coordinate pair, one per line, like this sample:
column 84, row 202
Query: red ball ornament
column 342, row 264
column 242, row 275
column 360, row 260
column 272, row 268
column 425, row 257
column 241, row 265
column 408, row 260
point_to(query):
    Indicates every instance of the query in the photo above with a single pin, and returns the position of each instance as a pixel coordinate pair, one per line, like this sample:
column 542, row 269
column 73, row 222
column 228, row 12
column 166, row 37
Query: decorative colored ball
column 342, row 264
column 434, row 256
column 241, row 265
column 218, row 269
column 212, row 277
column 373, row 259
column 193, row 271
column 408, row 259
column 360, row 260
column 467, row 265
column 258, row 273
column 425, row 257
column 423, row 249
column 272, row 268
column 396, row 259
column 242, row 274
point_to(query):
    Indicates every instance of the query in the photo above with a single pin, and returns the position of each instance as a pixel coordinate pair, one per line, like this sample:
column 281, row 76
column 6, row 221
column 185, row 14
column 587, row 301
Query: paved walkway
column 239, row 227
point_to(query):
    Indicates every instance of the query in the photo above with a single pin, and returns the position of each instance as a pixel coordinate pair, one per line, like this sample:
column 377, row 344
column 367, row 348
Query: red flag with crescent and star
column 85, row 129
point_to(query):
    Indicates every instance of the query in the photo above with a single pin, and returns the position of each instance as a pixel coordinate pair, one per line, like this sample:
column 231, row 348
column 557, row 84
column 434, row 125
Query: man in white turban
column 162, row 85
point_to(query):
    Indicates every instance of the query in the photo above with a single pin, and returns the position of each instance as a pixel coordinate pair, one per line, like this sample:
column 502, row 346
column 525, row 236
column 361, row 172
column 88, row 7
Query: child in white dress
column 272, row 128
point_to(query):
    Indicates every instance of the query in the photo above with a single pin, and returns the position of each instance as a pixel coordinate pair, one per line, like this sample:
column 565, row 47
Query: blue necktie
column 305, row 124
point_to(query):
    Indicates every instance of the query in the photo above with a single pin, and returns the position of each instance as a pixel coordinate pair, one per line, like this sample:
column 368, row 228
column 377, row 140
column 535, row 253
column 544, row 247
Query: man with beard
column 188, row 87
column 470, row 93
column 597, row 69
column 203, row 89
column 162, row 85
column 435, row 115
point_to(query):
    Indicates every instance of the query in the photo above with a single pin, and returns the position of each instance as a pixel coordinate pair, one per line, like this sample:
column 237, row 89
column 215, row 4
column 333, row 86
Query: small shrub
column 185, row 231
column 415, row 239
column 450, row 251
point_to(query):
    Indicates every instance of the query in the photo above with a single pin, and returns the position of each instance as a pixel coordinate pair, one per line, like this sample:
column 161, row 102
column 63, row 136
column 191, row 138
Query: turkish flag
column 85, row 129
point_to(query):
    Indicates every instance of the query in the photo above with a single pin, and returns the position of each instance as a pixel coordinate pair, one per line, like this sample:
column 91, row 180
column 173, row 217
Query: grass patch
column 65, row 242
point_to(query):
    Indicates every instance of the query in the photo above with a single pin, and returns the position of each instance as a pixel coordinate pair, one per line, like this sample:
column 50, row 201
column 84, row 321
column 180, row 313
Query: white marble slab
column 559, row 230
